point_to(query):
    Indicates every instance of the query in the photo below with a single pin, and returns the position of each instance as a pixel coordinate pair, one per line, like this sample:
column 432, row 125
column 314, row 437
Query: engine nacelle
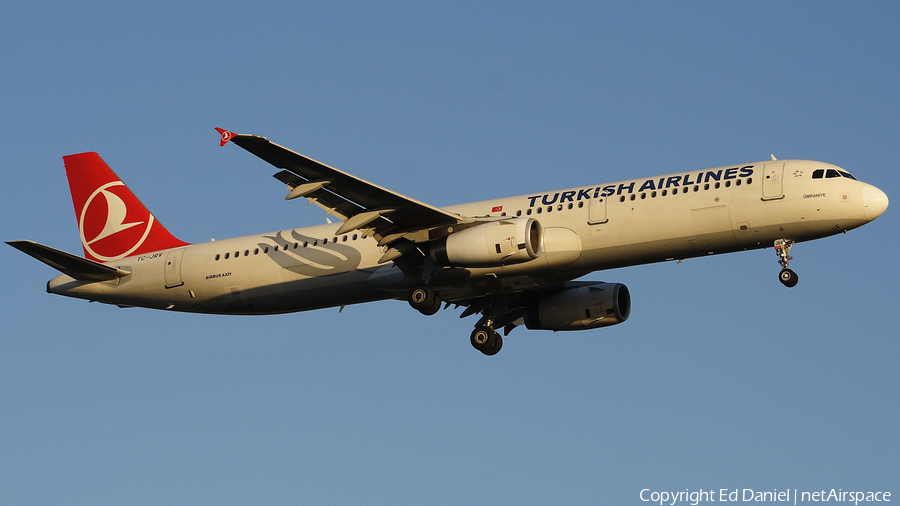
column 502, row 242
column 580, row 308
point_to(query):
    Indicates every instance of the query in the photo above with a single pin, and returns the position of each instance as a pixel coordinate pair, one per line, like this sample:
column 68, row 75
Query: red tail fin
column 112, row 221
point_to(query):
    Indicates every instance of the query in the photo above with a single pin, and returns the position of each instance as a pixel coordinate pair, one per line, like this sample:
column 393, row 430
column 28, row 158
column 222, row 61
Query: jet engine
column 579, row 308
column 491, row 244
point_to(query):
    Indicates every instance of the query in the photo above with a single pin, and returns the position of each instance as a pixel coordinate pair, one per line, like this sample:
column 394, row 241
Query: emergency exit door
column 597, row 211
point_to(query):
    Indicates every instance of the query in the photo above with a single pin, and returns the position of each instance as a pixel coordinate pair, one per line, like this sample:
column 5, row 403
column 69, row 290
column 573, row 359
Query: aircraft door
column 772, row 181
column 597, row 211
column 173, row 268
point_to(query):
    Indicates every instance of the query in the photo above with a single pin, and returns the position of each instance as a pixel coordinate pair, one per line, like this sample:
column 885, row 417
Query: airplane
column 515, row 260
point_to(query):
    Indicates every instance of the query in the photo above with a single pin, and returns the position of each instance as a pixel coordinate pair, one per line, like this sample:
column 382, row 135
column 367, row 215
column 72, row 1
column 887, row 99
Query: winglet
column 226, row 136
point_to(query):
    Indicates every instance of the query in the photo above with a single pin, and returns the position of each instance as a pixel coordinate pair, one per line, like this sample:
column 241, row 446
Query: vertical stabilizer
column 112, row 222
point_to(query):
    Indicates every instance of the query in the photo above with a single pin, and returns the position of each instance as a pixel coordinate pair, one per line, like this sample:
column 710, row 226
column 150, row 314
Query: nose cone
column 874, row 201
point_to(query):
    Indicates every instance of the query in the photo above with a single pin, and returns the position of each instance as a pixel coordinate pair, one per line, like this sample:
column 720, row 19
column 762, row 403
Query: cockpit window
column 819, row 173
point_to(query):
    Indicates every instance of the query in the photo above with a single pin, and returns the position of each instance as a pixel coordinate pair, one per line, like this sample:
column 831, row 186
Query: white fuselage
column 588, row 228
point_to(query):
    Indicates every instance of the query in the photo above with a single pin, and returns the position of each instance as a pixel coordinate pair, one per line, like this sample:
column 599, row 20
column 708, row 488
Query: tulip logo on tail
column 110, row 229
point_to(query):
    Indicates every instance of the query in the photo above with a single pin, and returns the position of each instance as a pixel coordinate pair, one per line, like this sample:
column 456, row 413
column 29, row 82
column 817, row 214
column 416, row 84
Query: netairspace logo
column 794, row 496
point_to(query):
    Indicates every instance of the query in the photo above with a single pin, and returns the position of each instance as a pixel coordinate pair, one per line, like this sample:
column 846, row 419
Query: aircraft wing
column 362, row 205
column 67, row 263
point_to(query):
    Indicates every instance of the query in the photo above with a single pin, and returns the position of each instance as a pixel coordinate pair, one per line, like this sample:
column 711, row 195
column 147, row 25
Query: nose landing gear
column 787, row 277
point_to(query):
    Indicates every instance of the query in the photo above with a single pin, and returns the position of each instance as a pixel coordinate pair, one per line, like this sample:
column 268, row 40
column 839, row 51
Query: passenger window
column 344, row 239
column 580, row 205
column 643, row 196
column 652, row 195
column 559, row 207
column 354, row 237
column 738, row 182
column 226, row 256
column 674, row 191
column 528, row 212
column 633, row 196
column 246, row 252
column 324, row 241
column 316, row 242
column 622, row 198
column 696, row 188
column 256, row 251
column 831, row 173
column 718, row 185
column 266, row 249
column 237, row 254
column 818, row 173
column 749, row 180
column 539, row 210
column 571, row 205
column 217, row 256
column 519, row 212
column 276, row 248
column 296, row 245
column 665, row 192
column 706, row 186
column 727, row 184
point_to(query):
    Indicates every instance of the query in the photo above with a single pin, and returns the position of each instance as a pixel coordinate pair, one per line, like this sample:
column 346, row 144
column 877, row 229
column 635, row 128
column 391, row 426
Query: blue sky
column 721, row 378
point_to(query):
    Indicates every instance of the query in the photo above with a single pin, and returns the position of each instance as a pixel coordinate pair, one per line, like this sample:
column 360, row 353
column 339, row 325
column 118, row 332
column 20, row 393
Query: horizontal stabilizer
column 67, row 263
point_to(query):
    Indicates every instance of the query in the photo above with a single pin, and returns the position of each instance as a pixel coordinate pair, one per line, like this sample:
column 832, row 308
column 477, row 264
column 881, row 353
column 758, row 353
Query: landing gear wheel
column 788, row 278
column 424, row 300
column 480, row 337
column 485, row 340
column 434, row 308
column 498, row 343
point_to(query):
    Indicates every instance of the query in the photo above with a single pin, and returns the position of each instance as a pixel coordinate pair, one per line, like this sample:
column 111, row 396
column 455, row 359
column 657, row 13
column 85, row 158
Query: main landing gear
column 486, row 340
column 787, row 277
column 424, row 300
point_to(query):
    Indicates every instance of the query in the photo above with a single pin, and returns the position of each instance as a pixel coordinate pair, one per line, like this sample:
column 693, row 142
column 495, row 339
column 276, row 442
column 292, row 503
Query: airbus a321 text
column 511, row 260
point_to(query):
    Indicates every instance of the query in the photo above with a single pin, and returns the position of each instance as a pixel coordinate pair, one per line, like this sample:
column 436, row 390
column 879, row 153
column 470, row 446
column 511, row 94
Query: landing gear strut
column 424, row 300
column 486, row 340
column 787, row 277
